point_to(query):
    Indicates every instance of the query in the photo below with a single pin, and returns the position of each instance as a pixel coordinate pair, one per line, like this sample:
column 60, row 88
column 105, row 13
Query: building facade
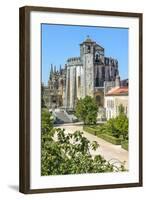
column 92, row 74
column 113, row 99
column 54, row 92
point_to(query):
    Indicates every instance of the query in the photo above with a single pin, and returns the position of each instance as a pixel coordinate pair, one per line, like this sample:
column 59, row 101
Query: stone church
column 92, row 74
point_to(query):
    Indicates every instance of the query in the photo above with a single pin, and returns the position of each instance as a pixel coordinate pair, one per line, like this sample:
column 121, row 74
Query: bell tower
column 87, row 58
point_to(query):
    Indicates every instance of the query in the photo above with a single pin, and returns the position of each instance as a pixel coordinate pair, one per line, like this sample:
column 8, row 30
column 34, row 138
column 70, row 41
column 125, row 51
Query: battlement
column 74, row 61
column 110, row 61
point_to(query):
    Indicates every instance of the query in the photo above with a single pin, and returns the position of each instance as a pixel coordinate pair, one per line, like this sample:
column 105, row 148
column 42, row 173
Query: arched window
column 96, row 57
column 96, row 82
column 103, row 73
column 88, row 49
column 79, row 81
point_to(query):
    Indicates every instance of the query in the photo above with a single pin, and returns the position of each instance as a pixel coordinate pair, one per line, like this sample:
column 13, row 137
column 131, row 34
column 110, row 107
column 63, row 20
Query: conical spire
column 51, row 68
column 51, row 72
column 60, row 69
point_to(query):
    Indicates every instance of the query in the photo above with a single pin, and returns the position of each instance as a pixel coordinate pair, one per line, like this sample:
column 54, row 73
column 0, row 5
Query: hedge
column 110, row 139
column 124, row 145
column 106, row 137
column 90, row 130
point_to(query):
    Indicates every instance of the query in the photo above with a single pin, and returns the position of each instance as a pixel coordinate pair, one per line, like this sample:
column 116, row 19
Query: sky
column 59, row 42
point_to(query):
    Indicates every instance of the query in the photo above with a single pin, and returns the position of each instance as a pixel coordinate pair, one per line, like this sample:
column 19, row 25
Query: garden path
column 110, row 152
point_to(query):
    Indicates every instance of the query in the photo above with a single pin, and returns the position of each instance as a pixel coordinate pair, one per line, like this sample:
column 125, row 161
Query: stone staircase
column 62, row 117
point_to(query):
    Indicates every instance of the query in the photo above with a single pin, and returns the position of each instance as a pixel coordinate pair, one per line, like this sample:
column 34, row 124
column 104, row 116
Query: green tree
column 86, row 110
column 121, row 126
column 69, row 153
column 42, row 97
column 121, row 109
column 117, row 126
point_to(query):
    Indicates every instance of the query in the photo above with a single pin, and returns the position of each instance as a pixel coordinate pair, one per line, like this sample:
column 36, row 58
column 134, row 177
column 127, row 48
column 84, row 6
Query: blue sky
column 59, row 42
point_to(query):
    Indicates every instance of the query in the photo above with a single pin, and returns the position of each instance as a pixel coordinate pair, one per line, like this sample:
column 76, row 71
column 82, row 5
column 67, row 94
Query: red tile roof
column 118, row 91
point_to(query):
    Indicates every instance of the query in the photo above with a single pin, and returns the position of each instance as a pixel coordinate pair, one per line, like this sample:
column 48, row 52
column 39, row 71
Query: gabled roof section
column 118, row 91
column 88, row 40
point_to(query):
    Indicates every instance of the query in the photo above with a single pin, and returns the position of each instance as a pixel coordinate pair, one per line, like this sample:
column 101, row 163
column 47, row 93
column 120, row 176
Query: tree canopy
column 42, row 97
column 86, row 110
column 117, row 126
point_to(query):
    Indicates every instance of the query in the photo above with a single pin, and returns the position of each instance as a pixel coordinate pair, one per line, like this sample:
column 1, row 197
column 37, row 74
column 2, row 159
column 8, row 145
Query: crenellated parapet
column 74, row 61
column 111, row 61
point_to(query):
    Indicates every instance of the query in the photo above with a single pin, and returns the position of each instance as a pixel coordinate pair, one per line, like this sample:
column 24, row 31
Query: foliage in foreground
column 69, row 153
column 86, row 110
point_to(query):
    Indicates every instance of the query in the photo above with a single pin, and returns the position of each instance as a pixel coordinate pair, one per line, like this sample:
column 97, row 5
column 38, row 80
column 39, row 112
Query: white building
column 113, row 99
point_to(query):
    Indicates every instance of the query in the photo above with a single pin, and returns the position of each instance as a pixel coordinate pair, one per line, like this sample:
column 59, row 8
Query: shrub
column 125, row 145
column 117, row 127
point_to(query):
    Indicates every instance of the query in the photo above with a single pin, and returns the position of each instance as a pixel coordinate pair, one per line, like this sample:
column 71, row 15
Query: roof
column 88, row 40
column 118, row 91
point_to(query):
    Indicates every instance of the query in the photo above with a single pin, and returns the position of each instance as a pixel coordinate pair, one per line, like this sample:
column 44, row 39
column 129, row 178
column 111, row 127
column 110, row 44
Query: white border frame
column 38, row 182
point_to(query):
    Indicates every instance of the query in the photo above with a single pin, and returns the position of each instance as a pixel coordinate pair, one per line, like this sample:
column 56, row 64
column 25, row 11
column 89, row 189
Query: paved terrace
column 107, row 150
